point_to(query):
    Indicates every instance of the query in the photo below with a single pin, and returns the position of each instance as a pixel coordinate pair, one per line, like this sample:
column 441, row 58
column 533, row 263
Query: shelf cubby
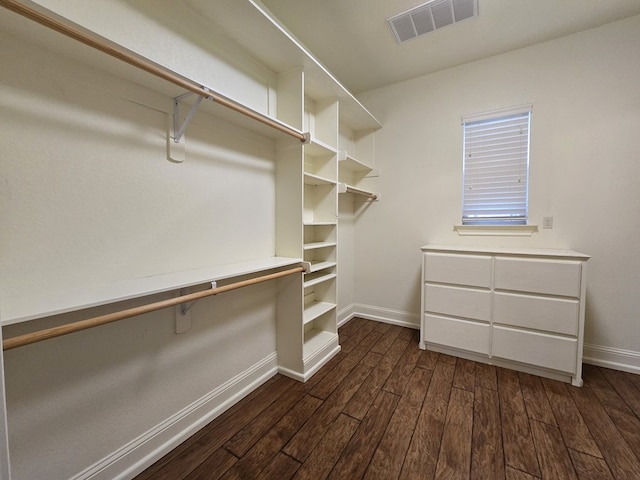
column 318, row 235
column 358, row 143
column 356, row 176
column 354, row 172
column 317, row 341
column 320, row 161
column 316, row 309
column 320, row 201
column 321, row 120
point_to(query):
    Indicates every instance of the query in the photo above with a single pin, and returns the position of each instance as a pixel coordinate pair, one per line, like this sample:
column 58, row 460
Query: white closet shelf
column 316, row 278
column 145, row 72
column 351, row 164
column 316, row 340
column 57, row 301
column 312, row 179
column 316, row 267
column 316, row 309
column 317, row 245
column 244, row 21
column 319, row 224
column 317, row 148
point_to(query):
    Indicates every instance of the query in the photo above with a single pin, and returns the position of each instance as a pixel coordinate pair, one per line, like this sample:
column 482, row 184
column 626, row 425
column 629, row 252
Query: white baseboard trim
column 608, row 357
column 386, row 315
column 601, row 356
column 328, row 355
column 134, row 457
column 615, row 358
column 345, row 315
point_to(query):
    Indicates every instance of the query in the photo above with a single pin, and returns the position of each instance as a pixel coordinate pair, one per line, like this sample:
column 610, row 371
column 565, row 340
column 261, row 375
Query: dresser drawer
column 555, row 315
column 554, row 277
column 461, row 334
column 472, row 270
column 543, row 350
column 458, row 301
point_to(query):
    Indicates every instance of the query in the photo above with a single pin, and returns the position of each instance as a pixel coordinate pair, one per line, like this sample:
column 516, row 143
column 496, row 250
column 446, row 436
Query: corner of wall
column 386, row 315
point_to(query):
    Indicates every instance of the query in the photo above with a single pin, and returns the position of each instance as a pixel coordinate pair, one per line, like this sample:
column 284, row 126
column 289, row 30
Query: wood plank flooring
column 384, row 409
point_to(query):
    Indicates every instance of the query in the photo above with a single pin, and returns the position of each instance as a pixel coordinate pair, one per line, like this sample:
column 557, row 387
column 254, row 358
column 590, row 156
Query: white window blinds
column 496, row 167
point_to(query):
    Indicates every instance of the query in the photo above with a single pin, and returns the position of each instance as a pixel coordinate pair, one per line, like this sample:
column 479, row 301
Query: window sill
column 496, row 230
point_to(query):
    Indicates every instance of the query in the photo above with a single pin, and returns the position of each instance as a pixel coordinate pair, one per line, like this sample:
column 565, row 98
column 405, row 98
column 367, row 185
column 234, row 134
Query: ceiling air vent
column 431, row 16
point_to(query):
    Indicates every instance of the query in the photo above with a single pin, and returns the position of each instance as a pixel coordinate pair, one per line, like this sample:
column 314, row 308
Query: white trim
column 609, row 357
column 140, row 453
column 287, row 372
column 500, row 112
column 303, row 377
column 496, row 230
column 345, row 315
column 387, row 315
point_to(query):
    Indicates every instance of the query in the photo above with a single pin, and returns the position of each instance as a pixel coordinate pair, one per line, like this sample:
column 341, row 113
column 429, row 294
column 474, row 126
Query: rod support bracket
column 178, row 130
column 183, row 313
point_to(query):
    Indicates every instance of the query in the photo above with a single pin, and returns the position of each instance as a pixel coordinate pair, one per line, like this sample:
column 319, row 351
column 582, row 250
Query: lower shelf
column 312, row 279
column 315, row 309
column 316, row 340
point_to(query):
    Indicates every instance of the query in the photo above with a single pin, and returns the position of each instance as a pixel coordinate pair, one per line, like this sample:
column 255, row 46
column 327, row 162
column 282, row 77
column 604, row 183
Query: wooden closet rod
column 143, row 64
column 33, row 337
column 357, row 191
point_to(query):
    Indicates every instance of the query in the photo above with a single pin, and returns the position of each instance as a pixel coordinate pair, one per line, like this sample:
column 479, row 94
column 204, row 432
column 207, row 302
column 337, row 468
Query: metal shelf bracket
column 178, row 130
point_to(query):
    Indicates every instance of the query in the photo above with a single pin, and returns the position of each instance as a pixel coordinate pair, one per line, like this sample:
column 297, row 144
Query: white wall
column 584, row 172
column 88, row 197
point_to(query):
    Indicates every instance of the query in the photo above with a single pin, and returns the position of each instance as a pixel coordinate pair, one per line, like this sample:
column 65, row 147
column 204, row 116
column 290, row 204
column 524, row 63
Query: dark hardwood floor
column 384, row 409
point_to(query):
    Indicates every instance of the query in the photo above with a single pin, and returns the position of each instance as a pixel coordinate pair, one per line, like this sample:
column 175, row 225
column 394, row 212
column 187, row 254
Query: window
column 496, row 167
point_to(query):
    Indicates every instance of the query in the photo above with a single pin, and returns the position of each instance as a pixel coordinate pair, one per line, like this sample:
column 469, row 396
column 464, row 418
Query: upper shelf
column 238, row 21
column 350, row 163
column 244, row 21
column 55, row 301
column 312, row 179
column 81, row 44
column 317, row 148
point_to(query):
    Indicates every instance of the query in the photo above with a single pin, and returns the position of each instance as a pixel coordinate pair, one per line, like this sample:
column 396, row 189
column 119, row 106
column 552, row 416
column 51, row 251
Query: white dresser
column 516, row 308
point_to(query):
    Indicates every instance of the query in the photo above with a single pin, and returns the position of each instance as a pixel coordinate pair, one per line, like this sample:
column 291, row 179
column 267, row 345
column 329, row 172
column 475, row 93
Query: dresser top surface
column 537, row 252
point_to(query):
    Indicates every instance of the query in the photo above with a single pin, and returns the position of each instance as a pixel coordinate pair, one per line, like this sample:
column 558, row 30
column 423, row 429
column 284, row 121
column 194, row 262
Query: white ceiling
column 352, row 38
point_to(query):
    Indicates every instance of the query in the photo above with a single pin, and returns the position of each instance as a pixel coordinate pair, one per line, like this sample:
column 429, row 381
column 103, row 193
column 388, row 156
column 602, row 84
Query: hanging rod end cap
column 306, row 138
